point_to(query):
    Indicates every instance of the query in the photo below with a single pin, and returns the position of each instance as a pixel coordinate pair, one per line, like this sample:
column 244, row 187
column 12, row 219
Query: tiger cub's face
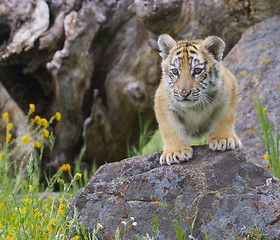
column 192, row 68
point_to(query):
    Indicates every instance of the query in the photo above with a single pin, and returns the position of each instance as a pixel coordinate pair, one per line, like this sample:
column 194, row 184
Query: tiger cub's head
column 191, row 68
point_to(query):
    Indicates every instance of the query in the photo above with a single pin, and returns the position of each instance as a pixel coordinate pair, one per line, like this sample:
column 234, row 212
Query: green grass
column 150, row 142
column 155, row 143
column 30, row 210
column 270, row 138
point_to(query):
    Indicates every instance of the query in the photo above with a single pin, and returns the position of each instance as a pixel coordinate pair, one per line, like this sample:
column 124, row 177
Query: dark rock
column 255, row 62
column 222, row 193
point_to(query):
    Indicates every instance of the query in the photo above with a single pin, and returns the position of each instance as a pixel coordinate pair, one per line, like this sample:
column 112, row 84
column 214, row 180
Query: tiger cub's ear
column 215, row 46
column 165, row 44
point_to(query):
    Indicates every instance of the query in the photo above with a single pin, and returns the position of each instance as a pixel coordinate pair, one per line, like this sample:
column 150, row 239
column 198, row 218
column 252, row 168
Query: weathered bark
column 56, row 54
column 193, row 19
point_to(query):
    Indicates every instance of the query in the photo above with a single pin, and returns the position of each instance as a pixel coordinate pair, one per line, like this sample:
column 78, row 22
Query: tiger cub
column 197, row 95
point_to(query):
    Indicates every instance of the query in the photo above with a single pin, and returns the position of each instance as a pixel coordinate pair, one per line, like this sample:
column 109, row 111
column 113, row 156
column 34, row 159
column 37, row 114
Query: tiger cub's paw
column 169, row 157
column 224, row 143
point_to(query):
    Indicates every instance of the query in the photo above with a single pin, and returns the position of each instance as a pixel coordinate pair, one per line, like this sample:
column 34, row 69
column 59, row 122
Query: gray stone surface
column 228, row 195
column 255, row 61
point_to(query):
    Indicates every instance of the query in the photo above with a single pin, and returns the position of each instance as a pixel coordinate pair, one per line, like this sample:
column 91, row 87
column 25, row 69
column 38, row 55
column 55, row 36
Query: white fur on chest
column 193, row 122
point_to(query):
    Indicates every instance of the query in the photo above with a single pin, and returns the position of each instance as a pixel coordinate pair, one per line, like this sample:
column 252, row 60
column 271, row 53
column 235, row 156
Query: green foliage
column 150, row 142
column 144, row 137
column 177, row 225
column 29, row 210
column 269, row 137
column 156, row 232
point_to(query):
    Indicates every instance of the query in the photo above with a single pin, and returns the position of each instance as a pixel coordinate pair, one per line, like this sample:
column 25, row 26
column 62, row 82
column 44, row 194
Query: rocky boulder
column 220, row 194
column 255, row 62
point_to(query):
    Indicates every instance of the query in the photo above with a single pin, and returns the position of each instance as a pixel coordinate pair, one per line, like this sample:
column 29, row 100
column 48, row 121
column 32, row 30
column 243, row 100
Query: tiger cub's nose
column 185, row 93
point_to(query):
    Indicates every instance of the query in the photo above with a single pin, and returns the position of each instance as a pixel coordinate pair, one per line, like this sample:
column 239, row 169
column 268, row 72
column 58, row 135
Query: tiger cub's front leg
column 175, row 148
column 223, row 136
column 176, row 153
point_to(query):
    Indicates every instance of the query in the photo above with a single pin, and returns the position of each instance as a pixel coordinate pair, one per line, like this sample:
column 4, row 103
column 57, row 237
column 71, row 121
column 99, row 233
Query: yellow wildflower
column 243, row 73
column 53, row 220
column 265, row 157
column 60, row 199
column 61, row 212
column 9, row 126
column 52, row 224
column 5, row 116
column 76, row 237
column 24, row 210
column 37, row 144
column 30, row 187
column 157, row 202
column 58, row 116
column 31, row 108
column 79, row 175
column 58, row 180
column 61, row 209
column 44, row 122
column 266, row 60
column 38, row 119
column 65, row 167
column 25, row 139
column 50, row 198
column 8, row 137
column 39, row 214
column 46, row 133
column 0, row 156
column 28, row 200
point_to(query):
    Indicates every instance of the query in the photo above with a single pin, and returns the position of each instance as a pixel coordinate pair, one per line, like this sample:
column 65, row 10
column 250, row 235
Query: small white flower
column 132, row 219
column 99, row 225
column 268, row 181
column 243, row 228
column 134, row 224
column 124, row 223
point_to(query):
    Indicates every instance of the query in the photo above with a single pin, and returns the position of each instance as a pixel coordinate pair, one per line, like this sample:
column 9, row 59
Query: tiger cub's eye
column 175, row 71
column 197, row 70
